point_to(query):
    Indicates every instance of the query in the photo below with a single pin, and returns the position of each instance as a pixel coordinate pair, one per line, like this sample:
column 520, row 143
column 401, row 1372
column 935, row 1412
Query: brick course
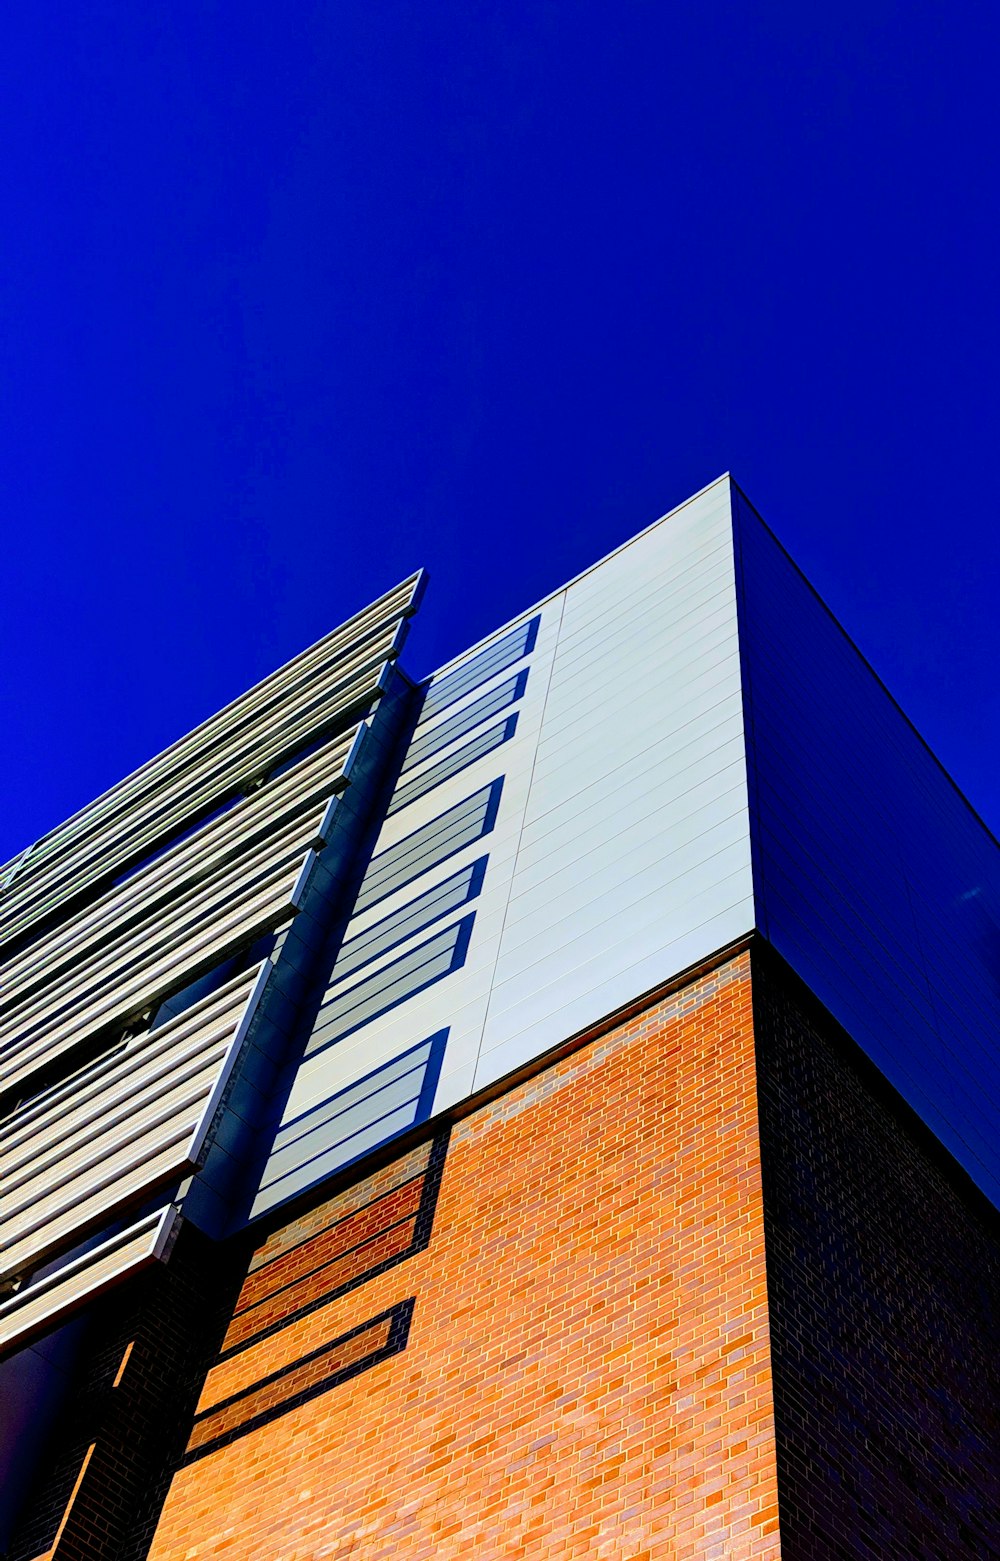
column 884, row 1284
column 587, row 1368
column 101, row 1482
column 703, row 1264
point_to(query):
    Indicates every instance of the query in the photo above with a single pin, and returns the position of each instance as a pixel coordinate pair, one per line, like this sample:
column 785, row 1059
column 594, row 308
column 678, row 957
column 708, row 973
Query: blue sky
column 295, row 298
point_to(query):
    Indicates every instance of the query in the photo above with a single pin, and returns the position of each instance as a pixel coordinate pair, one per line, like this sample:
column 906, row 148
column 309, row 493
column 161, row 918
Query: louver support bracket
column 39, row 1307
column 130, row 1123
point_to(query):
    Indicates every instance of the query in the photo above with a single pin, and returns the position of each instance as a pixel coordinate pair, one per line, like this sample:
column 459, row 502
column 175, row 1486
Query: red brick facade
column 586, row 1368
column 883, row 1267
column 703, row 1263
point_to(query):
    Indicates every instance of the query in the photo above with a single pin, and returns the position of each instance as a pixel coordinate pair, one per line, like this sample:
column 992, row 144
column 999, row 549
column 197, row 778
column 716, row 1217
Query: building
column 548, row 1111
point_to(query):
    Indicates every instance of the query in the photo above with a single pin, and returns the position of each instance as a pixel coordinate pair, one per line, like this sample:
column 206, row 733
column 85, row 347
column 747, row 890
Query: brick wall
column 550, row 1331
column 102, row 1478
column 545, row 1336
column 884, row 1283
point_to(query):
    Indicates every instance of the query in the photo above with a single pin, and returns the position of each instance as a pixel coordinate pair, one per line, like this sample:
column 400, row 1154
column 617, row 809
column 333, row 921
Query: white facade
column 619, row 855
column 678, row 748
column 687, row 748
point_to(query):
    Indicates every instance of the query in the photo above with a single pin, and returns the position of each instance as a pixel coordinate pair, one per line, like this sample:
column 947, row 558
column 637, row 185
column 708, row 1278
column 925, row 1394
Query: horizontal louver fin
column 335, row 678
column 41, row 1306
column 198, row 858
column 223, row 886
column 120, row 1127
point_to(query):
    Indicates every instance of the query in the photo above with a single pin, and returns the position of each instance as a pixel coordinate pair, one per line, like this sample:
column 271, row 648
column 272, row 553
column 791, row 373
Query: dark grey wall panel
column 410, row 919
column 875, row 879
column 435, row 739
column 448, row 687
column 380, row 1106
column 430, row 845
column 494, row 737
column 390, row 985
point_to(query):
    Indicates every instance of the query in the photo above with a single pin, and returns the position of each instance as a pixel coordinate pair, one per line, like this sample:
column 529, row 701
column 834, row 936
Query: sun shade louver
column 326, row 686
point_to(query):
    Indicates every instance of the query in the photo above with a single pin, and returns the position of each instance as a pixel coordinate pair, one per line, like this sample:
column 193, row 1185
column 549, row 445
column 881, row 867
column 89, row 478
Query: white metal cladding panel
column 237, row 745
column 349, row 1006
column 382, row 937
column 435, row 738
column 634, row 857
column 457, row 1002
column 430, row 778
column 473, row 670
column 878, row 883
column 425, row 848
column 620, row 850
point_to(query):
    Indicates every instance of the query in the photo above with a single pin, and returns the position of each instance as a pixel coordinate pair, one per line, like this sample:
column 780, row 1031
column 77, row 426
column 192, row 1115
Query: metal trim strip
column 147, row 1241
